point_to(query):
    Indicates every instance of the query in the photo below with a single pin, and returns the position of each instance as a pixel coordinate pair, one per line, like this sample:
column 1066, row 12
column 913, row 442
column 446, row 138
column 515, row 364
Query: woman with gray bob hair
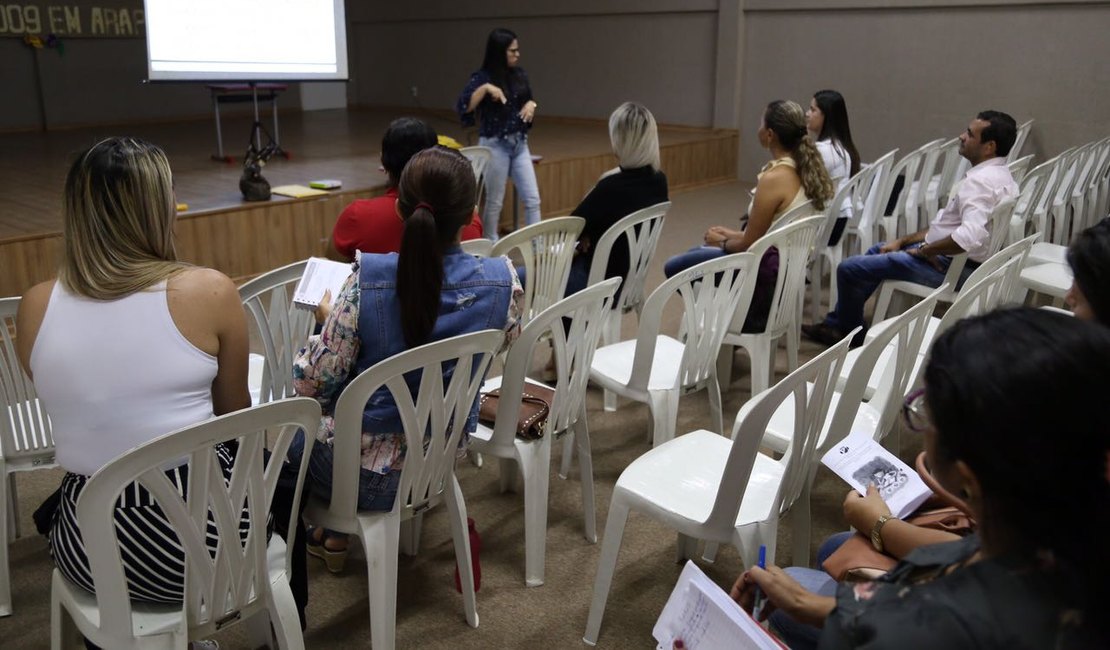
column 636, row 183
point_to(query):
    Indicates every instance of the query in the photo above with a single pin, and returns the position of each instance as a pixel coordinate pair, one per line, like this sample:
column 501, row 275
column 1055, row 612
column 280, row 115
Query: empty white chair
column 997, row 225
column 1019, row 167
column 479, row 158
column 433, row 420
column 722, row 490
column 25, row 439
column 282, row 326
column 1033, row 187
column 794, row 243
column 1019, row 142
column 547, row 249
column 641, row 230
column 952, row 170
column 923, row 194
column 246, row 580
column 655, row 368
column 866, row 192
column 574, row 350
column 904, row 218
column 477, row 247
column 1049, row 278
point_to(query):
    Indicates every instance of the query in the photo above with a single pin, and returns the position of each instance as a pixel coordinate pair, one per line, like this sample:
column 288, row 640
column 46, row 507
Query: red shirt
column 372, row 226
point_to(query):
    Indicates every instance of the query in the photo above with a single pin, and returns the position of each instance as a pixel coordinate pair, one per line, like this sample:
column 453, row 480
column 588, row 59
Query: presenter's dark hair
column 1002, row 131
column 402, row 140
column 1089, row 258
column 496, row 62
column 436, row 197
column 1009, row 427
column 832, row 106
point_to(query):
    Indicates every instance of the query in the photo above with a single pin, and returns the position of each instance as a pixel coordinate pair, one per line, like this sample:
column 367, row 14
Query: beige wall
column 921, row 71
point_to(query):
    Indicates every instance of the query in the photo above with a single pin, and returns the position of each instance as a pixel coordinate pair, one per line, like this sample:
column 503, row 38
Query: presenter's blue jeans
column 860, row 275
column 511, row 159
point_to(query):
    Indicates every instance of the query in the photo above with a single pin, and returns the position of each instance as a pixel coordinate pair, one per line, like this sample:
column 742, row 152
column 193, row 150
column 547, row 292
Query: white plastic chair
column 794, row 243
column 641, row 230
column 925, row 201
column 1049, row 278
column 866, row 191
column 1019, row 142
column 477, row 247
column 547, row 248
column 952, row 169
column 1031, row 198
column 574, row 350
column 997, row 226
column 1019, row 167
column 717, row 489
column 655, row 368
column 479, row 158
column 26, row 442
column 245, row 581
column 282, row 326
column 905, row 217
column 433, row 420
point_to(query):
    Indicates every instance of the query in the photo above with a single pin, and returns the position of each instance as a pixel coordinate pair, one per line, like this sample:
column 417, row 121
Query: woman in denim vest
column 501, row 97
column 429, row 291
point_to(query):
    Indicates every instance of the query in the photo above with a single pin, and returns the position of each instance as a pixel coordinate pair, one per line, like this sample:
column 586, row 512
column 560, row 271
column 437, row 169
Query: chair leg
column 664, row 410
column 380, row 541
column 535, row 465
column 410, row 534
column 611, row 333
column 793, row 344
column 800, row 527
column 586, row 469
column 460, row 535
column 5, row 570
column 882, row 305
column 761, row 354
column 568, row 456
column 507, row 479
column 710, row 553
column 606, row 566
column 686, row 548
column 715, row 407
column 475, row 459
column 724, row 364
column 14, row 531
column 815, row 288
column 259, row 632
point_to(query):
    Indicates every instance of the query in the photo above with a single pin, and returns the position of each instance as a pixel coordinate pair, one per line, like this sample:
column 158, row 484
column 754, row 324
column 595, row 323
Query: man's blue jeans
column 860, row 275
column 511, row 157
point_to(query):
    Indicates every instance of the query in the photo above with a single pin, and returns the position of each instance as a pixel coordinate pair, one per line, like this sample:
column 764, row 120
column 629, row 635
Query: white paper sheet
column 319, row 276
column 859, row 460
column 703, row 616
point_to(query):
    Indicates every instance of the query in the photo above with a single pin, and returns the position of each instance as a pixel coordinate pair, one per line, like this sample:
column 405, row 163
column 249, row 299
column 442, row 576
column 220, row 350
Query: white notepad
column 859, row 460
column 703, row 616
column 319, row 276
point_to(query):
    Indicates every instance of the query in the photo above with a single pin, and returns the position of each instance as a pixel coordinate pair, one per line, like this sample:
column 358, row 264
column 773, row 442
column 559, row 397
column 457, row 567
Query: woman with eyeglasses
column 499, row 95
column 1027, row 448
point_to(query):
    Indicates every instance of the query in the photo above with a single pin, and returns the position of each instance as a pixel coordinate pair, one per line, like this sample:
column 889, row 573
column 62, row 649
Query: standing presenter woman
column 500, row 96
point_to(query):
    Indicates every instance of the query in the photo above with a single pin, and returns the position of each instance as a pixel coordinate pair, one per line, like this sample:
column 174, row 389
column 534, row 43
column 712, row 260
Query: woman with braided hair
column 796, row 174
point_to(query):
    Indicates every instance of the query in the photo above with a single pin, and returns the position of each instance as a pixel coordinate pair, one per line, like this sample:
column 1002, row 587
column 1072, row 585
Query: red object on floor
column 475, row 553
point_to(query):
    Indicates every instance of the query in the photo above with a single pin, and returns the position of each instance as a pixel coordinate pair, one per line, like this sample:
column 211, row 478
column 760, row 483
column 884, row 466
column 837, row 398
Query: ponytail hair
column 436, row 197
column 787, row 120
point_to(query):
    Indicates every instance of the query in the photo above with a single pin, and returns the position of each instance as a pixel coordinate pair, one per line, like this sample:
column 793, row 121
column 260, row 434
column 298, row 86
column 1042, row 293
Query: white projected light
column 246, row 40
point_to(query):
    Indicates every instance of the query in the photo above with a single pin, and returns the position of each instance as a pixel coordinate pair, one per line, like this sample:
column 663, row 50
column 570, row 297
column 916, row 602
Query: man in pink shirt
column 923, row 257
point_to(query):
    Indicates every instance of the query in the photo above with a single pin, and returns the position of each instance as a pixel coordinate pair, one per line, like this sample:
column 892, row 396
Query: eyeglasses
column 913, row 411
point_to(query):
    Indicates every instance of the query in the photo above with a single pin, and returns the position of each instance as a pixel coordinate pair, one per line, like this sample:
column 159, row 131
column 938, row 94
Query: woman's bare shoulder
column 202, row 283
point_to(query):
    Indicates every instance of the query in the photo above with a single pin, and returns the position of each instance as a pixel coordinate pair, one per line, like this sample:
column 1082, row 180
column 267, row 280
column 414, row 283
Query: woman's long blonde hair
column 634, row 136
column 118, row 220
column 787, row 120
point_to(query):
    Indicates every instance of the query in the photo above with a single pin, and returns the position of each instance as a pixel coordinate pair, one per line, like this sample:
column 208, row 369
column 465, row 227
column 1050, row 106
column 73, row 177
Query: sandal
column 334, row 560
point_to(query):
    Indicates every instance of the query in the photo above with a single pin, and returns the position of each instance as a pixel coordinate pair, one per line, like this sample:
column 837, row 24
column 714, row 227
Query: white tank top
column 115, row 374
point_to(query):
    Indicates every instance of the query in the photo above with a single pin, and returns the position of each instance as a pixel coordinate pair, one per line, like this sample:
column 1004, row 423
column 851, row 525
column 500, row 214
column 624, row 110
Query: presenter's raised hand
column 496, row 94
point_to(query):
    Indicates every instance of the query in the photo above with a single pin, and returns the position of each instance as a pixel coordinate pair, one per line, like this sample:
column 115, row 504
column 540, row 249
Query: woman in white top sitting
column 127, row 344
column 827, row 122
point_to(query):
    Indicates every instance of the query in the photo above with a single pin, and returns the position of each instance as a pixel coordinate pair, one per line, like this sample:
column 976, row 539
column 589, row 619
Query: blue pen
column 760, row 598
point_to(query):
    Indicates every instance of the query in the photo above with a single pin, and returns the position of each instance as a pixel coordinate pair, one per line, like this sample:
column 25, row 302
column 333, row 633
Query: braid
column 811, row 169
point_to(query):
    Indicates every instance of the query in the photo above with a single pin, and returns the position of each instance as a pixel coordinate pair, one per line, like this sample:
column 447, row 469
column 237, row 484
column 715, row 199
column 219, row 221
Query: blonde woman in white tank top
column 128, row 344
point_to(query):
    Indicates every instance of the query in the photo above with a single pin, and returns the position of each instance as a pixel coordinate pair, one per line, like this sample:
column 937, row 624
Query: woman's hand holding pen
column 783, row 592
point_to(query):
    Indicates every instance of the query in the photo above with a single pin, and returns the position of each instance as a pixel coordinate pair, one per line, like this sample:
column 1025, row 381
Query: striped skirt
column 153, row 559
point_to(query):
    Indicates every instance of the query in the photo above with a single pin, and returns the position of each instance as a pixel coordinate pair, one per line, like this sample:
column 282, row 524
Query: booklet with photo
column 319, row 276
column 860, row 460
column 703, row 616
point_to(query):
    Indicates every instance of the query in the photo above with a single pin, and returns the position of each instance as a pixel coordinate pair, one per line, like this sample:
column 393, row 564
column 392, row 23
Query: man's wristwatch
column 876, row 532
column 724, row 244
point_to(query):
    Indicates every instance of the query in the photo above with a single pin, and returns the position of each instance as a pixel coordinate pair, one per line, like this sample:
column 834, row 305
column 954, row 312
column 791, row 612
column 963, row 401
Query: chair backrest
column 983, row 294
column 928, row 200
column 641, row 230
column 792, row 215
column 1087, row 168
column 451, row 372
column 282, row 326
column 909, row 167
column 998, row 224
column 1019, row 249
column 951, row 162
column 547, row 248
column 795, row 244
column 1030, row 200
column 477, row 247
column 858, row 191
column 1019, row 142
column 812, row 386
column 574, row 347
column 479, row 158
column 905, row 333
column 24, row 426
column 1019, row 167
column 1100, row 182
column 1061, row 225
column 237, row 579
column 711, row 293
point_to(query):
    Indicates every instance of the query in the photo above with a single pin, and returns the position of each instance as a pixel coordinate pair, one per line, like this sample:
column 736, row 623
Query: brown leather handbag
column 535, row 404
column 857, row 559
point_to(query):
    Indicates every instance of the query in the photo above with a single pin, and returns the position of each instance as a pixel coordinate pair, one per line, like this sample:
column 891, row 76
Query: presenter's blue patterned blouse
column 496, row 120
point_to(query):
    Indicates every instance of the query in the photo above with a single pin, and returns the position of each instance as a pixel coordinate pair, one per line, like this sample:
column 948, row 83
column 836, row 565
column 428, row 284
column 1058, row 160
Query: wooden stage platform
column 243, row 239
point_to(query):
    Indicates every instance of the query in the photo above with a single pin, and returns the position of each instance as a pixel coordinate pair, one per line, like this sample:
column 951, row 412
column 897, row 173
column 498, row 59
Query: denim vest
column 475, row 296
